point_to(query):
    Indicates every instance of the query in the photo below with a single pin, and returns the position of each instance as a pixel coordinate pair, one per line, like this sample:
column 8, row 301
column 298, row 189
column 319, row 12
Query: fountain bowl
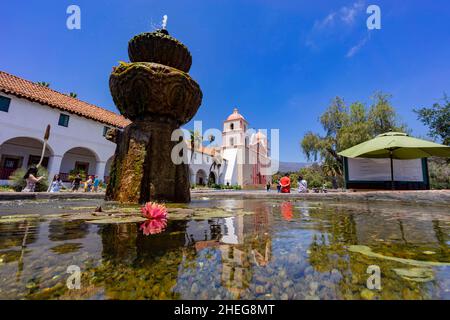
column 159, row 47
column 155, row 92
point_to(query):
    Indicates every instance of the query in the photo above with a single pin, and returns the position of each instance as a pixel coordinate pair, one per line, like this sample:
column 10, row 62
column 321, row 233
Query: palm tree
column 196, row 140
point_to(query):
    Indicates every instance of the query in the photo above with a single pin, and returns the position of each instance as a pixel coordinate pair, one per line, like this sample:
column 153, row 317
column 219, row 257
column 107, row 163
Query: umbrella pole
column 392, row 170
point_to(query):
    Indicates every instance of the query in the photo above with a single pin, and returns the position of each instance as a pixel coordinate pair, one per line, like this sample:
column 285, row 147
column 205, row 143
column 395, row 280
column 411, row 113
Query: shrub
column 18, row 182
column 73, row 173
column 439, row 170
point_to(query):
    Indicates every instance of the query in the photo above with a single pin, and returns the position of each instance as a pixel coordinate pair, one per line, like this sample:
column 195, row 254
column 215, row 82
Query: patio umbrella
column 396, row 145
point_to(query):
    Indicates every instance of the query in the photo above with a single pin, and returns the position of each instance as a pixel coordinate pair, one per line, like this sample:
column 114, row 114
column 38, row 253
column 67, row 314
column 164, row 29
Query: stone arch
column 20, row 153
column 80, row 159
column 212, row 178
column 200, row 177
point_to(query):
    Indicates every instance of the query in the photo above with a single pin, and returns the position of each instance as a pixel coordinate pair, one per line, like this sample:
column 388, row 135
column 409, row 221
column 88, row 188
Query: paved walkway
column 431, row 197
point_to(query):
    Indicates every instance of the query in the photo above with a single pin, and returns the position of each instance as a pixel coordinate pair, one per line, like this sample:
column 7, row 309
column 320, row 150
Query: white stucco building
column 77, row 130
column 77, row 139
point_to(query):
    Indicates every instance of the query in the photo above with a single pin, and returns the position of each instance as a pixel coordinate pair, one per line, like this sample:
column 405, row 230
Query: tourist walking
column 88, row 184
column 31, row 179
column 302, row 185
column 285, row 183
column 56, row 184
column 76, row 182
column 96, row 183
column 278, row 186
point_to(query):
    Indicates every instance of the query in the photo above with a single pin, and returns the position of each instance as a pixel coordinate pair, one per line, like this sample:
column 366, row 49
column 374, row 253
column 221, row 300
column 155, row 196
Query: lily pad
column 67, row 248
column 368, row 252
column 207, row 213
column 115, row 220
column 179, row 213
column 18, row 218
column 416, row 274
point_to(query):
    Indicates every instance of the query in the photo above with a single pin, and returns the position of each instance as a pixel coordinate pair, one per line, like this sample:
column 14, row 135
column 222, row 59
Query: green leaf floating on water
column 207, row 213
column 113, row 220
column 368, row 252
column 416, row 274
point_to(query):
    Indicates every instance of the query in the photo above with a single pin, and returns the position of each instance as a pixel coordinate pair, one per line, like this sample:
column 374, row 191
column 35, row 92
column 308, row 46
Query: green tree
column 73, row 94
column 437, row 119
column 346, row 126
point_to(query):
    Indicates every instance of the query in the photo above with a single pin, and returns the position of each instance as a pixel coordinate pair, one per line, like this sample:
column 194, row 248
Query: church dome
column 235, row 115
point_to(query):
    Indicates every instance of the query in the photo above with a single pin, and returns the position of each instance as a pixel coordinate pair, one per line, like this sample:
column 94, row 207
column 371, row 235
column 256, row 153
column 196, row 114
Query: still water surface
column 278, row 250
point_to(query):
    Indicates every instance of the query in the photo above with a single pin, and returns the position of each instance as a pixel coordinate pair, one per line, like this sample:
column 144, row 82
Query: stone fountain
column 157, row 94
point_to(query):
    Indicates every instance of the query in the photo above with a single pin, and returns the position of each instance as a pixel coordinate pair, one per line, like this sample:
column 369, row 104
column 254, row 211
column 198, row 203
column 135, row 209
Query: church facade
column 241, row 159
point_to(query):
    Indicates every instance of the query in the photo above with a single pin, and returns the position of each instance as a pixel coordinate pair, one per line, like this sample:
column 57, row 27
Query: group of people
column 32, row 179
column 90, row 185
column 284, row 185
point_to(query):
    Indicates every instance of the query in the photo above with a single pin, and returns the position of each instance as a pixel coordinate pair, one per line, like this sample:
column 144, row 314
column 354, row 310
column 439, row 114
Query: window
column 232, row 126
column 4, row 103
column 231, row 142
column 63, row 120
column 105, row 130
column 34, row 160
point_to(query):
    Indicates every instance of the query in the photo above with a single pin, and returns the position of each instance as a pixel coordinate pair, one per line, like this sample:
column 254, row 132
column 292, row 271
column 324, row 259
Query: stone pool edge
column 429, row 197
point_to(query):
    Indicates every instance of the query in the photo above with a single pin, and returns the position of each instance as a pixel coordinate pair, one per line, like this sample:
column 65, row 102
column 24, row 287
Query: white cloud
column 345, row 14
column 338, row 25
column 354, row 50
column 348, row 14
column 328, row 20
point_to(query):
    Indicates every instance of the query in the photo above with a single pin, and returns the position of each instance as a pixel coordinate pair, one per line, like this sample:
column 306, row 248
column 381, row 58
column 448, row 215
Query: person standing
column 56, row 184
column 278, row 186
column 285, row 183
column 302, row 185
column 88, row 184
column 31, row 179
column 76, row 182
column 268, row 186
column 96, row 183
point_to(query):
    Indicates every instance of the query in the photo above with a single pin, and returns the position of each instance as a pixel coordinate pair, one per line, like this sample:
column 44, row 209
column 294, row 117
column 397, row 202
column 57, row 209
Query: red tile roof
column 31, row 91
column 202, row 149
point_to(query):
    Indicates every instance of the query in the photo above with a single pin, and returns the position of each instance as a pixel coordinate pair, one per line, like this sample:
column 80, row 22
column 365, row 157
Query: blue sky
column 280, row 62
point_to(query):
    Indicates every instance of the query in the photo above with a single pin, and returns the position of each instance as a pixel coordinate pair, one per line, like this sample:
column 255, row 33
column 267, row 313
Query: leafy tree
column 437, row 119
column 346, row 126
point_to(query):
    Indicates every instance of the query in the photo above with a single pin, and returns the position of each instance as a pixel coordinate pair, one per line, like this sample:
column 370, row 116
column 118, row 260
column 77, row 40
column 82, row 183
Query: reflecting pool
column 258, row 250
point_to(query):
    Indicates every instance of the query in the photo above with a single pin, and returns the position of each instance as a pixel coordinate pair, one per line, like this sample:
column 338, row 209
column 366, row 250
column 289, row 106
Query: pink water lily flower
column 153, row 226
column 153, row 210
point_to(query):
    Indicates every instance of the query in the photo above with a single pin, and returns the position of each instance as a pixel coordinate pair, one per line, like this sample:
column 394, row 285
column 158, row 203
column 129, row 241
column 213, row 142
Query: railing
column 5, row 173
